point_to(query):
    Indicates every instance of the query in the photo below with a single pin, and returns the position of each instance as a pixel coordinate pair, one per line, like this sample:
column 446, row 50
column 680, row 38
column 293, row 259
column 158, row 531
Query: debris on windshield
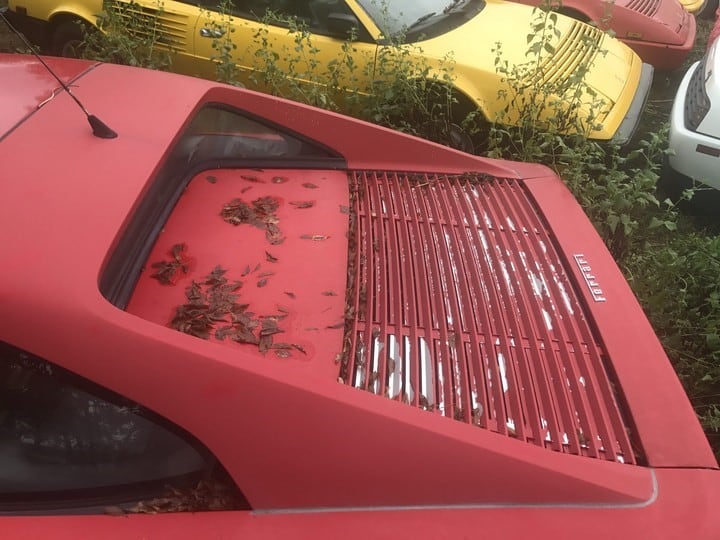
column 269, row 257
column 303, row 204
column 207, row 495
column 260, row 213
column 213, row 307
column 167, row 272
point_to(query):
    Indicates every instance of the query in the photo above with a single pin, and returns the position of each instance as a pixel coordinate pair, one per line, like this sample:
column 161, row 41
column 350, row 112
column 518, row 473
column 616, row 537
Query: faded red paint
column 287, row 432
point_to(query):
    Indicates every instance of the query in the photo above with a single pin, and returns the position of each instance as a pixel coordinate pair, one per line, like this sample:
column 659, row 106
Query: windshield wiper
column 455, row 5
column 421, row 20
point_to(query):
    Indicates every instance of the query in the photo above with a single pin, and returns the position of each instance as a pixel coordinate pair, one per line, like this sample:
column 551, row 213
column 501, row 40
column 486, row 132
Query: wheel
column 67, row 39
column 574, row 14
column 447, row 110
column 708, row 10
column 449, row 134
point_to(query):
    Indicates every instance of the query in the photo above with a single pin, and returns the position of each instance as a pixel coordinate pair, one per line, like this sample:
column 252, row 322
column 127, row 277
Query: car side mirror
column 341, row 25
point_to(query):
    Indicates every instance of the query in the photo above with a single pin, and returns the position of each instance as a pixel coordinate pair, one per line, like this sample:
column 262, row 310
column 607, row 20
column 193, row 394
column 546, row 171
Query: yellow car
column 614, row 88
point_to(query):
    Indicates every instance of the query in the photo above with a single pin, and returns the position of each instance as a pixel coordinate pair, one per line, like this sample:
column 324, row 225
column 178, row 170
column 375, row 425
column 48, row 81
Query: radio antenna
column 99, row 128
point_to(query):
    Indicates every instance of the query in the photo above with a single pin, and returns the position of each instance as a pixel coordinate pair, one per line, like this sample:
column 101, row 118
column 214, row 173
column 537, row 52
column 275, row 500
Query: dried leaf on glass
column 169, row 272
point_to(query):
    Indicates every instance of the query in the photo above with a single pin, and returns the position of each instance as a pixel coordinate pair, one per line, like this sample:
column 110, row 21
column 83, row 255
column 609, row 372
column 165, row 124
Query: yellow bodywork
column 693, row 6
column 606, row 90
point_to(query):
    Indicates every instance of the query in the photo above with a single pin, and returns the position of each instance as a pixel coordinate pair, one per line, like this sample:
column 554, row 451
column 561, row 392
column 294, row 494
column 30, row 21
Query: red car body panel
column 20, row 74
column 313, row 457
column 684, row 493
column 661, row 32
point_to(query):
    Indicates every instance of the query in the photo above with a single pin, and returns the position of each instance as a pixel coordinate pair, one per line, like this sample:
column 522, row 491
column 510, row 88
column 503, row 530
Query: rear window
column 217, row 137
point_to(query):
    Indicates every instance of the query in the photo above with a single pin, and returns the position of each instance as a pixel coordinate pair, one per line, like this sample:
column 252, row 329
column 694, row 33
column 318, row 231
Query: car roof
column 27, row 85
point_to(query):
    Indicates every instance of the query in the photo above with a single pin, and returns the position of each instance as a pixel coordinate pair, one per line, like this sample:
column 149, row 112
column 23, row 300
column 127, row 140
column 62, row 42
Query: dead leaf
column 168, row 271
column 254, row 179
column 303, row 204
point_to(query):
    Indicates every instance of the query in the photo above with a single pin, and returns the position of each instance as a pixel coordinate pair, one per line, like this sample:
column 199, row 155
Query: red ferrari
column 661, row 32
column 226, row 315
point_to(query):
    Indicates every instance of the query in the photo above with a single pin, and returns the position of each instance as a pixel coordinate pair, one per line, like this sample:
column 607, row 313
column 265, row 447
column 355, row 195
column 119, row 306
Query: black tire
column 708, row 10
column 67, row 39
column 573, row 14
column 449, row 134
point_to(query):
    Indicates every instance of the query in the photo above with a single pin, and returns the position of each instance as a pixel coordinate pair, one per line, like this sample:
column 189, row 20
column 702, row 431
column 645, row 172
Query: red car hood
column 667, row 13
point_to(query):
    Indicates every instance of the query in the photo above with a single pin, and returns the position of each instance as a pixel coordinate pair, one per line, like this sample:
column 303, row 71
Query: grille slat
column 577, row 48
column 463, row 309
column 647, row 7
column 166, row 29
column 543, row 335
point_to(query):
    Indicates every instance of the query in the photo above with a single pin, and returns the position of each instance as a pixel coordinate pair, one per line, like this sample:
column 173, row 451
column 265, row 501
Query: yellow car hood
column 611, row 63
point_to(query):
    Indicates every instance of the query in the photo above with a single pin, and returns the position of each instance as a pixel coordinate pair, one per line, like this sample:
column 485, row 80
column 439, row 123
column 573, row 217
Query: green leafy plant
column 128, row 34
column 221, row 27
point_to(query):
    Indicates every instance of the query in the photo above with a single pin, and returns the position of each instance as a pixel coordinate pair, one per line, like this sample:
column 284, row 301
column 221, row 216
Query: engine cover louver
column 459, row 304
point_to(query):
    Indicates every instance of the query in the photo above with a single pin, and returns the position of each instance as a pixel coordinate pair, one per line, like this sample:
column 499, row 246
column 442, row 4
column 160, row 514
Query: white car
column 695, row 125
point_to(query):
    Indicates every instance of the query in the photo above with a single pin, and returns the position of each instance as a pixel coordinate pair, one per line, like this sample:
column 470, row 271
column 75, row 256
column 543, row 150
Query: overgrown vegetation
column 670, row 260
column 128, row 35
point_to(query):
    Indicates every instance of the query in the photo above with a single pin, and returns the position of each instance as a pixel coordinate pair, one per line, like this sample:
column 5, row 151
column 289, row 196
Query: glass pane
column 56, row 436
column 217, row 133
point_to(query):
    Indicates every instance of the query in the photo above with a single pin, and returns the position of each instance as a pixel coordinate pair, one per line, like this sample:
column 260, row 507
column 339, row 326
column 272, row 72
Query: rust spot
column 210, row 178
column 262, row 282
column 247, row 188
column 314, row 237
column 344, row 209
column 290, row 294
column 279, row 179
column 336, row 326
column 328, row 293
column 309, row 185
column 270, row 257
